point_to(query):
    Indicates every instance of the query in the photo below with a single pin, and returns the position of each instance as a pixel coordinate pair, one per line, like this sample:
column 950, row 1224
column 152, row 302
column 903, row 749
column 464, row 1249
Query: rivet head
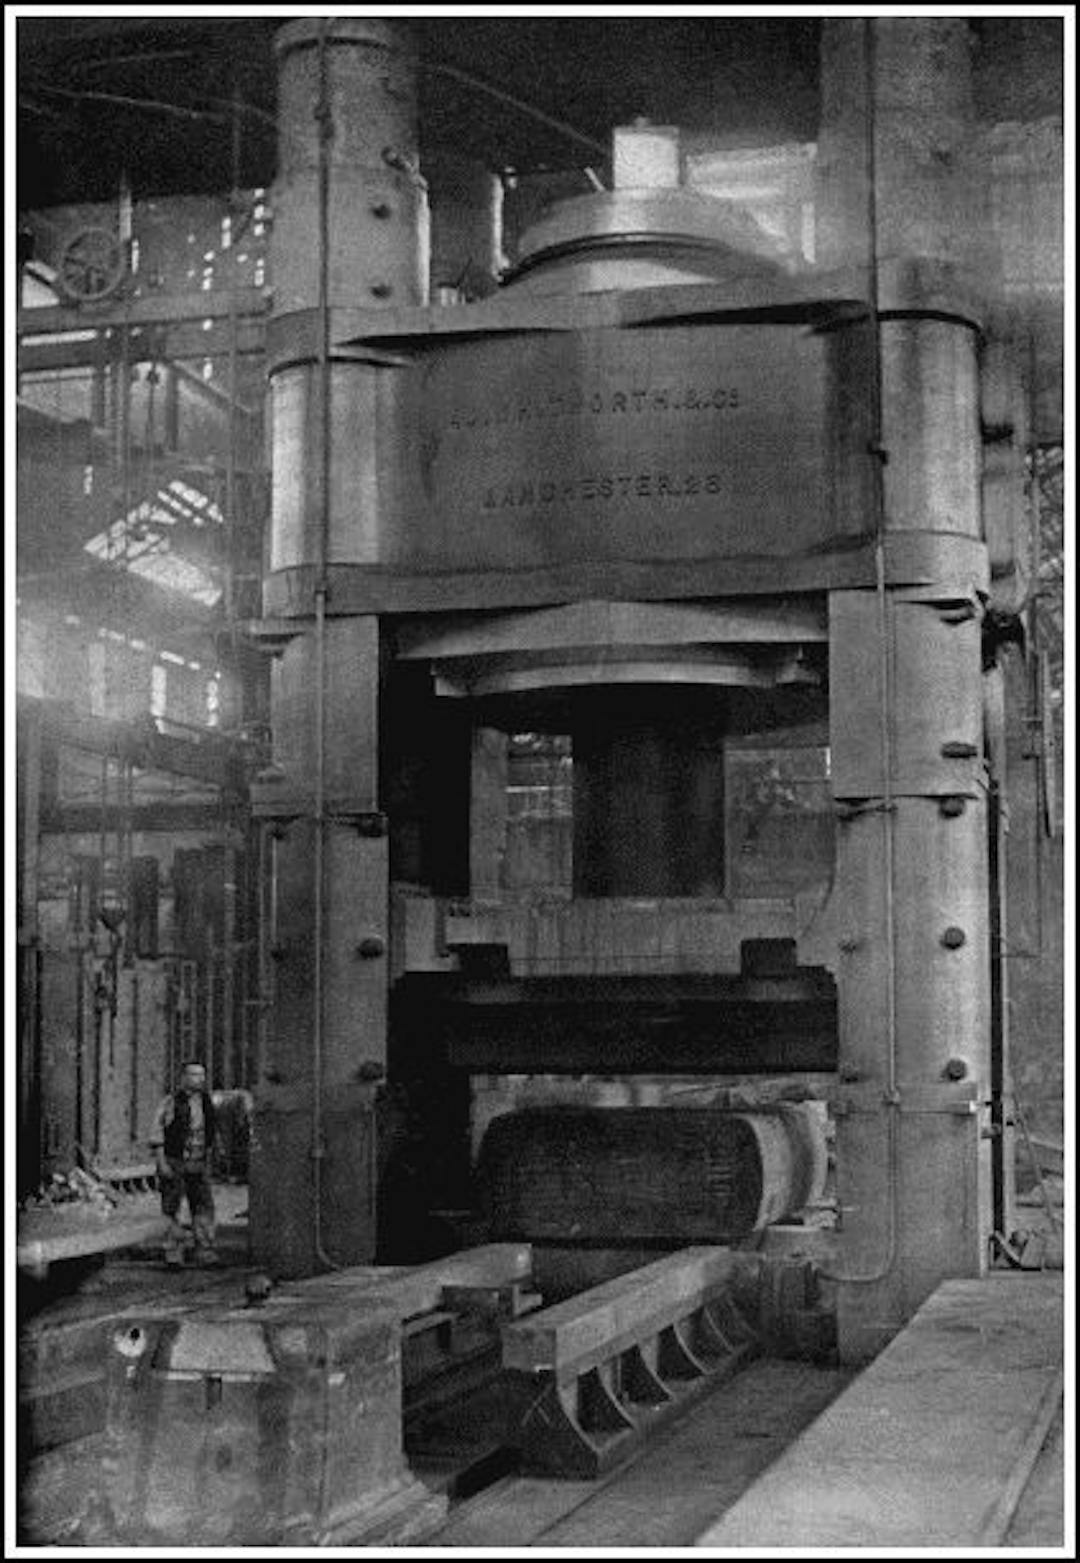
column 370, row 948
column 381, row 289
column 951, row 808
column 953, row 938
column 955, row 1069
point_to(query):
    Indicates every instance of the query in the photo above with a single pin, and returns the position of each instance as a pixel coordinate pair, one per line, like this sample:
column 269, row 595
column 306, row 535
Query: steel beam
column 212, row 759
column 911, row 559
column 139, row 313
column 612, row 1364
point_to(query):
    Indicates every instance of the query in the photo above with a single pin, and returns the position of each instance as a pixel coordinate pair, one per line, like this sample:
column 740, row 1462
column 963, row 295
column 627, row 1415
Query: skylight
column 141, row 541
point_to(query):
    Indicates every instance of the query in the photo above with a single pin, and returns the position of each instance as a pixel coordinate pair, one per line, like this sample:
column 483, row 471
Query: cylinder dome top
column 649, row 212
column 306, row 31
column 658, row 213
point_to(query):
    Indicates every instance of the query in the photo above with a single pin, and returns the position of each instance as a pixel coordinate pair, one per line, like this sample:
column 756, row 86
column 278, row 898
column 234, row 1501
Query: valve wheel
column 92, row 265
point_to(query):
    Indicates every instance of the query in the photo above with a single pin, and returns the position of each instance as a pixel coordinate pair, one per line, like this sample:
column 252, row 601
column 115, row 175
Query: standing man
column 182, row 1140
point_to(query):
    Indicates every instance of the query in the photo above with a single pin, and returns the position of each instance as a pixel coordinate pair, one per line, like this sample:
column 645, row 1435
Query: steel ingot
column 653, row 1176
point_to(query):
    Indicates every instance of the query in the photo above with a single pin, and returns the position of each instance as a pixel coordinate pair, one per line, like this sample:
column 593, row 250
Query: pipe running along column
column 349, row 226
column 906, row 690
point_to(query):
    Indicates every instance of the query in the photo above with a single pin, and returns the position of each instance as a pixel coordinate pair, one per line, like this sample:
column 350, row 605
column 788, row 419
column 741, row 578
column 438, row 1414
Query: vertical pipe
column 99, row 1016
column 135, row 1041
column 28, row 936
column 126, row 835
column 326, row 126
column 124, row 439
column 228, row 966
column 998, row 1059
column 209, row 1048
column 80, row 1042
column 99, row 1060
column 103, row 841
column 98, row 384
column 265, row 938
column 881, row 1269
column 230, row 455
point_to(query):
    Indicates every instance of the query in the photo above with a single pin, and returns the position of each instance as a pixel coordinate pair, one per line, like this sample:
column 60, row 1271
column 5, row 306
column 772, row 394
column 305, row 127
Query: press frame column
column 906, row 698
column 347, row 176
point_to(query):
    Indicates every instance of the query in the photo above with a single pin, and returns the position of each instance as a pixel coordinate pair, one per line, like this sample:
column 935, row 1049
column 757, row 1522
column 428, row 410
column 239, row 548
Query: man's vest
column 179, row 1122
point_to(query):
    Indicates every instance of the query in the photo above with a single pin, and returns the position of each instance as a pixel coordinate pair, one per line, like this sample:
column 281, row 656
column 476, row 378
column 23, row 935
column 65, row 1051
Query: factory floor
column 953, row 1438
column 761, row 1454
column 935, row 1442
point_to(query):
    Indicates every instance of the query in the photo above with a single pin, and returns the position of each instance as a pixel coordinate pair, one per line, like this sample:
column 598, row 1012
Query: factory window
column 779, row 820
column 158, row 680
column 150, row 540
column 31, row 658
column 539, row 813
column 96, row 683
column 652, row 797
column 539, row 781
column 65, row 395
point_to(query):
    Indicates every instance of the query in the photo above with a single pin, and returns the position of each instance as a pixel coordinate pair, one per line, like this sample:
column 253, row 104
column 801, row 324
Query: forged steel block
column 277, row 1428
column 655, row 1175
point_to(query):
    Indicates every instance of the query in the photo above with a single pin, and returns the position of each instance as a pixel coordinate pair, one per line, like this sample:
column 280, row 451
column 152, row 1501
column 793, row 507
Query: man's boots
column 203, row 1228
column 174, row 1246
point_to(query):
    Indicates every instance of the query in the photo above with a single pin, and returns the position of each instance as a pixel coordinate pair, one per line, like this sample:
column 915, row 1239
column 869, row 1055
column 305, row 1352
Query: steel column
column 349, row 227
column 906, row 719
